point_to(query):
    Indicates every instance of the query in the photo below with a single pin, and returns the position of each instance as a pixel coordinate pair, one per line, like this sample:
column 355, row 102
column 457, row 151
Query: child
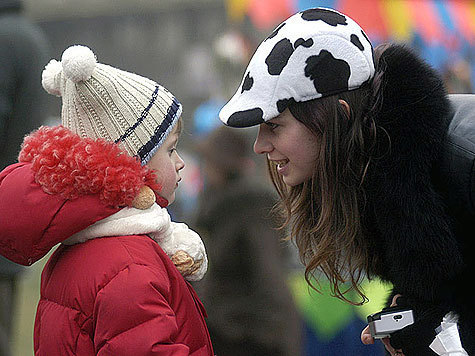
column 352, row 137
column 98, row 185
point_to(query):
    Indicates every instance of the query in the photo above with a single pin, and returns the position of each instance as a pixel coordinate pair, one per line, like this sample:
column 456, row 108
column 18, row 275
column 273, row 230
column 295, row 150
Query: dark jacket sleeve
column 8, row 77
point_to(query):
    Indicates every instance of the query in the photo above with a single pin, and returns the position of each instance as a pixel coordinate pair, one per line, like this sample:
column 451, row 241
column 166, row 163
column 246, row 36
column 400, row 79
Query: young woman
column 352, row 136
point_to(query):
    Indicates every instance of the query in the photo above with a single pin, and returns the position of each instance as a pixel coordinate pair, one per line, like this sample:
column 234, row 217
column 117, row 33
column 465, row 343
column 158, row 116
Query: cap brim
column 245, row 118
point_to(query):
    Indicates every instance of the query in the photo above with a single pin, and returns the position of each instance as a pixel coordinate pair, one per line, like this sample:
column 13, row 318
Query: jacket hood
column 62, row 184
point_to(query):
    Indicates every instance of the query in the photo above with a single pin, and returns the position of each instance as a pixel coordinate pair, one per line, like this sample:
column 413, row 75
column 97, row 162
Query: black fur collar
column 411, row 238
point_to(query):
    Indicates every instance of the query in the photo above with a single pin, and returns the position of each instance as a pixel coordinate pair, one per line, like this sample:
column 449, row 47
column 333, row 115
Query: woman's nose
column 262, row 144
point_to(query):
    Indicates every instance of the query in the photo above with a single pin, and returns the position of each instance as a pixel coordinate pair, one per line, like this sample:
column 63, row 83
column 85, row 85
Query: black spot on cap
column 329, row 74
column 275, row 32
column 248, row 82
column 301, row 42
column 246, row 118
column 356, row 41
column 284, row 104
column 330, row 17
column 279, row 56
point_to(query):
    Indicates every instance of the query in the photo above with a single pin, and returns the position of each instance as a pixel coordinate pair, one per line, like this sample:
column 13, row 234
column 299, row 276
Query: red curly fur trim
column 71, row 166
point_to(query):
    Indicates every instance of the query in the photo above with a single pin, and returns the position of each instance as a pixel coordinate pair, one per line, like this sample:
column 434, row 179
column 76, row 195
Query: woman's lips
column 281, row 166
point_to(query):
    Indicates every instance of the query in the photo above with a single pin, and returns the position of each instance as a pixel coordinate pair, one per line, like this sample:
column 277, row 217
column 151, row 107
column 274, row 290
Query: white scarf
column 155, row 222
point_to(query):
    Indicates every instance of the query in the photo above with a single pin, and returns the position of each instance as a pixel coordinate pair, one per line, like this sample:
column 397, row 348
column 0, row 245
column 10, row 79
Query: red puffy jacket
column 108, row 296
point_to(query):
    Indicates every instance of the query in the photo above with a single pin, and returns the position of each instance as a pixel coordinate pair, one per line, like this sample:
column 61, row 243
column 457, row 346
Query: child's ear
column 345, row 106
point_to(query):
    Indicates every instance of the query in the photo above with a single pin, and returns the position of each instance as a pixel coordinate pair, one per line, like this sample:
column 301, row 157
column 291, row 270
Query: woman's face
column 290, row 145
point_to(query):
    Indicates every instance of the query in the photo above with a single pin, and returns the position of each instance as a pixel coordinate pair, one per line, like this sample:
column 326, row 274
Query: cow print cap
column 314, row 53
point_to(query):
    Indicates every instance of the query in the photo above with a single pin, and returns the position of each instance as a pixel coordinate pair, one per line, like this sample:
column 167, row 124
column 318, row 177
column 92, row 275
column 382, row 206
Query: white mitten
column 185, row 248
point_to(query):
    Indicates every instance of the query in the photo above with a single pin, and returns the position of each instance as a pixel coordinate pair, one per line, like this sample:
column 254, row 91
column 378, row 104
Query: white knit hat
column 314, row 53
column 100, row 101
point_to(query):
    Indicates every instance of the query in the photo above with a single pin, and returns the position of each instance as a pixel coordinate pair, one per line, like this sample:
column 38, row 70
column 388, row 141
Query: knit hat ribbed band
column 100, row 101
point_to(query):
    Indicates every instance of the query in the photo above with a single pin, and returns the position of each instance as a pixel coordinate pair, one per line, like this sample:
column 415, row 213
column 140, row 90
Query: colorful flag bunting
column 438, row 22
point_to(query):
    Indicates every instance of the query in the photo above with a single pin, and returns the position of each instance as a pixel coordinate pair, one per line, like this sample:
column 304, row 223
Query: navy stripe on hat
column 161, row 133
column 142, row 117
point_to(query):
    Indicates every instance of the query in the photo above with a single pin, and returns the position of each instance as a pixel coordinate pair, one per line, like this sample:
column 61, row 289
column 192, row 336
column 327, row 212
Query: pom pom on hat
column 78, row 63
column 51, row 77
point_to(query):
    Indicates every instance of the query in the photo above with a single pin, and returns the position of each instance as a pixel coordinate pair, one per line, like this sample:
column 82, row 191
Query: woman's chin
column 292, row 180
column 289, row 181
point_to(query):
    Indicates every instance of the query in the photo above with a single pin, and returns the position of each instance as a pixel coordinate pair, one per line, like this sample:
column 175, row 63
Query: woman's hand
column 367, row 339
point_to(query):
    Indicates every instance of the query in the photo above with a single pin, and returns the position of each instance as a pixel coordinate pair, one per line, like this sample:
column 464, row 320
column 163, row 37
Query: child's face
column 167, row 165
column 289, row 144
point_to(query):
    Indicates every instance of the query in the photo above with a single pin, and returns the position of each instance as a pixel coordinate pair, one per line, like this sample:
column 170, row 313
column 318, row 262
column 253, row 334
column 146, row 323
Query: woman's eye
column 271, row 125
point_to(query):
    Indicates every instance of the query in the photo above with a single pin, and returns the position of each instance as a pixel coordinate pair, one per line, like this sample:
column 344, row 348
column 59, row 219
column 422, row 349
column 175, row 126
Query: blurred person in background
column 23, row 51
column 457, row 77
column 251, row 311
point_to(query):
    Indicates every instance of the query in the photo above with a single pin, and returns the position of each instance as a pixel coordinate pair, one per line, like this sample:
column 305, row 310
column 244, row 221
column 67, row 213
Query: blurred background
column 199, row 49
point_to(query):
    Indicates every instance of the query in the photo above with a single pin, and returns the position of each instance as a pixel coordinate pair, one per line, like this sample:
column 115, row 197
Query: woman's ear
column 345, row 106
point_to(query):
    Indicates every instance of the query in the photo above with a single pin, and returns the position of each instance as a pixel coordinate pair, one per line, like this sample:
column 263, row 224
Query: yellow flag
column 237, row 9
column 399, row 20
column 471, row 10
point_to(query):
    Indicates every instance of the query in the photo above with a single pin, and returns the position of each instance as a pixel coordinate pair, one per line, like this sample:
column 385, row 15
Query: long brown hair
column 324, row 213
